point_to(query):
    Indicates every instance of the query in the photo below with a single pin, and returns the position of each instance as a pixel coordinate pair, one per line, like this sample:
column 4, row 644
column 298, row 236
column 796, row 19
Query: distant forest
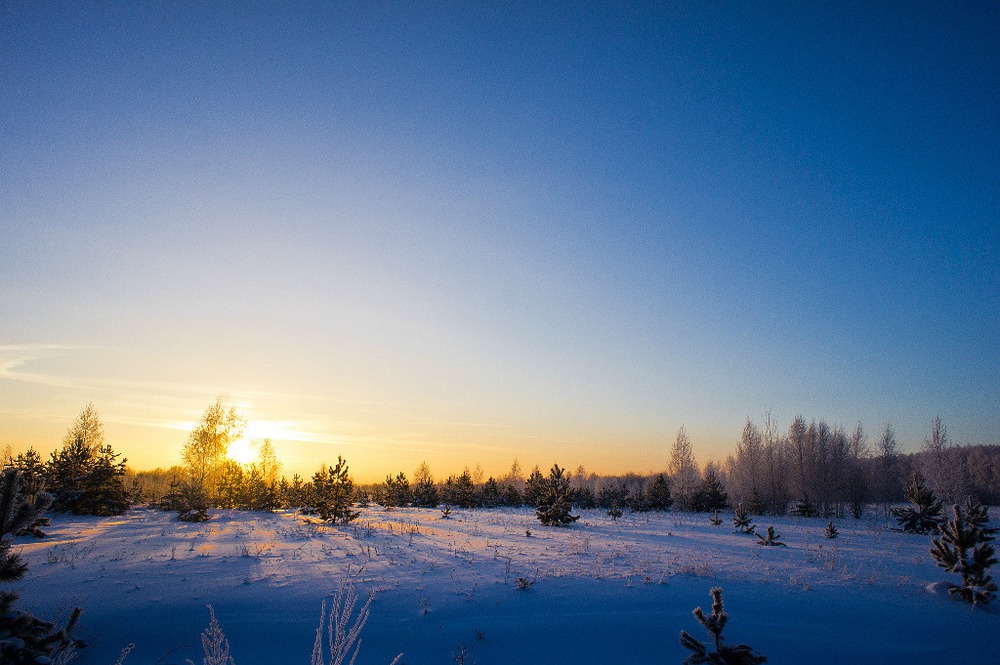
column 811, row 468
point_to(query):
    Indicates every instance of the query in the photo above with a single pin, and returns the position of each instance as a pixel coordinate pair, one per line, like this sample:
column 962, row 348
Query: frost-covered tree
column 208, row 443
column 857, row 482
column 724, row 654
column 964, row 549
column 87, row 429
column 556, row 500
column 774, row 481
column 887, row 467
column 924, row 516
column 268, row 463
column 830, row 531
column 214, row 644
column 24, row 638
column 745, row 467
column 943, row 465
column 684, row 476
column 333, row 494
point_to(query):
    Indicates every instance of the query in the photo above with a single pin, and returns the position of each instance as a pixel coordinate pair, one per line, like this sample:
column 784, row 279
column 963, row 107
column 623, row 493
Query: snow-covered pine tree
column 191, row 502
column 556, row 500
column 772, row 538
column 742, row 521
column 964, row 549
column 24, row 638
column 977, row 515
column 715, row 520
column 924, row 516
column 740, row 654
column 614, row 512
column 334, row 493
column 830, row 531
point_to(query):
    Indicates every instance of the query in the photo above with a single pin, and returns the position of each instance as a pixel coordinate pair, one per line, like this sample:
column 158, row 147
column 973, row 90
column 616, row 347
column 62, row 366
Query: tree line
column 810, row 468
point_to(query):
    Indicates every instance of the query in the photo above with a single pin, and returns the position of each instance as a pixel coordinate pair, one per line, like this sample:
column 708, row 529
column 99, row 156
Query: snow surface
column 604, row 591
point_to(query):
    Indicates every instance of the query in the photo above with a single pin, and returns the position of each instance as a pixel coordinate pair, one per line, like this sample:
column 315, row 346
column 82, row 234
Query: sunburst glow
column 242, row 451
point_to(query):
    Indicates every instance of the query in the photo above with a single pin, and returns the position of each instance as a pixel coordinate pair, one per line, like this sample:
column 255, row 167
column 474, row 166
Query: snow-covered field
column 604, row 591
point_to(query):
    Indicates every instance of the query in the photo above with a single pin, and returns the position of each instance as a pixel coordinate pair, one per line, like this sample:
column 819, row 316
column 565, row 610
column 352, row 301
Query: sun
column 242, row 451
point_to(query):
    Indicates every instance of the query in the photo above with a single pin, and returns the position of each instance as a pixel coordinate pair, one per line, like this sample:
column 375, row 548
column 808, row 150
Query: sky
column 469, row 232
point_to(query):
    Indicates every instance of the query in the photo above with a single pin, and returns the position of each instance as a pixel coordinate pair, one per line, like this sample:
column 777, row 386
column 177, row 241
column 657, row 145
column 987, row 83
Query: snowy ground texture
column 604, row 591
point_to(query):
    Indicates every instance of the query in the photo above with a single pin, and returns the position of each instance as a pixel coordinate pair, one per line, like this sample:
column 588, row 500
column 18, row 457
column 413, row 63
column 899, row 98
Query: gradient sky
column 465, row 232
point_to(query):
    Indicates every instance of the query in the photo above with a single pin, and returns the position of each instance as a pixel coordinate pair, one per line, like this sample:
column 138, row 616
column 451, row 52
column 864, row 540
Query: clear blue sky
column 469, row 231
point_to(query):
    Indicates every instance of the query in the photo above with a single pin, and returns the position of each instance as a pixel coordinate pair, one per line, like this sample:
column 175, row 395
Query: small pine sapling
column 964, row 549
column 614, row 512
column 523, row 583
column 192, row 502
column 446, row 512
column 333, row 493
column 924, row 516
column 742, row 521
column 830, row 531
column 715, row 520
column 772, row 539
column 556, row 500
column 741, row 654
